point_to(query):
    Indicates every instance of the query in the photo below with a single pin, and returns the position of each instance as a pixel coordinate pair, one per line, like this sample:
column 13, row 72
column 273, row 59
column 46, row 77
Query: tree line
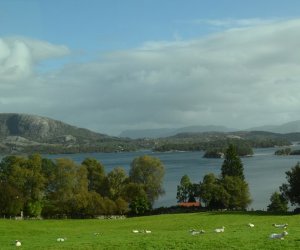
column 58, row 188
column 38, row 186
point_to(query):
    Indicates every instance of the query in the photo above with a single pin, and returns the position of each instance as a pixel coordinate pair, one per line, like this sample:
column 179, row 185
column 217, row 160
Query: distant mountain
column 147, row 133
column 23, row 133
column 166, row 132
column 202, row 129
column 290, row 127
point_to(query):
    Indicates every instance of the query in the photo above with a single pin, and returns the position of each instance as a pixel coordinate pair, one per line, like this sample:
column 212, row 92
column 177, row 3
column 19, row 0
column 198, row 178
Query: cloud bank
column 239, row 78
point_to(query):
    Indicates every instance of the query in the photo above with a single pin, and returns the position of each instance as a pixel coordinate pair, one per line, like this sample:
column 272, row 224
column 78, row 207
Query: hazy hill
column 290, row 127
column 166, row 132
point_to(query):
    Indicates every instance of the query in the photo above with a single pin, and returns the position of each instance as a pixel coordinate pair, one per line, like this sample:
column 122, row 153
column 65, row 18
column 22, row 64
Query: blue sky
column 115, row 65
column 99, row 25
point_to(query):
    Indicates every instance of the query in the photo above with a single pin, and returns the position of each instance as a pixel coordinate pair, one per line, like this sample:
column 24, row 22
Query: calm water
column 264, row 172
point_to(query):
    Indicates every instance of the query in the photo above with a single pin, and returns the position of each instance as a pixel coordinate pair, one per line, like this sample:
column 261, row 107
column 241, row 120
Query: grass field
column 167, row 232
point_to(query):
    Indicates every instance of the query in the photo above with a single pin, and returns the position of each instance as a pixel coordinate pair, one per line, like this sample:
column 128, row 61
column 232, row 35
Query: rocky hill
column 30, row 133
column 40, row 128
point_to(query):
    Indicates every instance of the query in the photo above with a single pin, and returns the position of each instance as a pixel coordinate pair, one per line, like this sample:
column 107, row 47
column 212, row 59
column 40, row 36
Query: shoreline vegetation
column 287, row 151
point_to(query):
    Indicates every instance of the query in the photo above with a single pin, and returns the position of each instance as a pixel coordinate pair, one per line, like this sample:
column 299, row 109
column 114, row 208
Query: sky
column 114, row 65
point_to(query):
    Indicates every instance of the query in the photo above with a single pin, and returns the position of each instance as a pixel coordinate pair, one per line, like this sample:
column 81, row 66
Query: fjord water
column 264, row 172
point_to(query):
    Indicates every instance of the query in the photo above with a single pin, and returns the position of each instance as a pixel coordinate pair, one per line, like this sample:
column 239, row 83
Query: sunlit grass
column 168, row 232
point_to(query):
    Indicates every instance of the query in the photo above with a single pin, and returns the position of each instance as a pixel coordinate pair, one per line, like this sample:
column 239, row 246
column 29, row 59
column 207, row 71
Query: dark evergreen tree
column 232, row 165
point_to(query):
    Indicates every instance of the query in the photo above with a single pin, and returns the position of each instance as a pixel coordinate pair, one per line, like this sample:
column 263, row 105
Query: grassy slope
column 168, row 232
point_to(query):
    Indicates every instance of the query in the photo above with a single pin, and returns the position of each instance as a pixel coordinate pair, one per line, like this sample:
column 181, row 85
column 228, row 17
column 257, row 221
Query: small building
column 190, row 204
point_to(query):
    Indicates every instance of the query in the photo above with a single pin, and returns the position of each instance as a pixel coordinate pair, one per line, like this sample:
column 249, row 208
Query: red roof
column 189, row 204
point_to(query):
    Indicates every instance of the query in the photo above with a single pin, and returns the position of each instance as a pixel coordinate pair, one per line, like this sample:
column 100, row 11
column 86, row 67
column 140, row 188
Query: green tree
column 61, row 197
column 149, row 172
column 132, row 191
column 96, row 174
column 48, row 171
column 79, row 201
column 187, row 191
column 95, row 205
column 121, row 206
column 232, row 165
column 278, row 203
column 116, row 180
column 11, row 201
column 23, row 179
column 140, row 206
column 183, row 190
column 109, row 206
column 238, row 190
column 291, row 190
column 213, row 193
column 34, row 186
column 12, row 181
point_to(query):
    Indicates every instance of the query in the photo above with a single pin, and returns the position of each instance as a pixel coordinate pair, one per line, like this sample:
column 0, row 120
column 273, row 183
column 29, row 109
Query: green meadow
column 167, row 232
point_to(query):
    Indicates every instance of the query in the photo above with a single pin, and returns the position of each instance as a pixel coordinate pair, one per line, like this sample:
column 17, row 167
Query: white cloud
column 232, row 23
column 18, row 56
column 239, row 78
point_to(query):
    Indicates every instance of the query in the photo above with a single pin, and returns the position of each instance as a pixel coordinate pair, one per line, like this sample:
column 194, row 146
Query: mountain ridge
column 289, row 127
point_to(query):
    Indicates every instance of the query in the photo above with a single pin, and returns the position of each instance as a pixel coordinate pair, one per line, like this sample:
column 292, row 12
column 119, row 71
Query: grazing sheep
column 219, row 230
column 279, row 236
column 280, row 225
column 96, row 234
column 148, row 232
column 251, row 225
column 135, row 231
column 18, row 243
column 194, row 232
column 60, row 239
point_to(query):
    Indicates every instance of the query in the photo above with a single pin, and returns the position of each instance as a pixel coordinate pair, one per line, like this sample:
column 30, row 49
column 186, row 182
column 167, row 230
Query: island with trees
column 287, row 151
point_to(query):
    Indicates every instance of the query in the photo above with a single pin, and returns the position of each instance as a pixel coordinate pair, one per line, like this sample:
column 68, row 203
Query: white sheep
column 219, row 230
column 148, row 232
column 18, row 243
column 250, row 225
column 194, row 232
column 280, row 225
column 60, row 239
column 279, row 236
column 135, row 231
